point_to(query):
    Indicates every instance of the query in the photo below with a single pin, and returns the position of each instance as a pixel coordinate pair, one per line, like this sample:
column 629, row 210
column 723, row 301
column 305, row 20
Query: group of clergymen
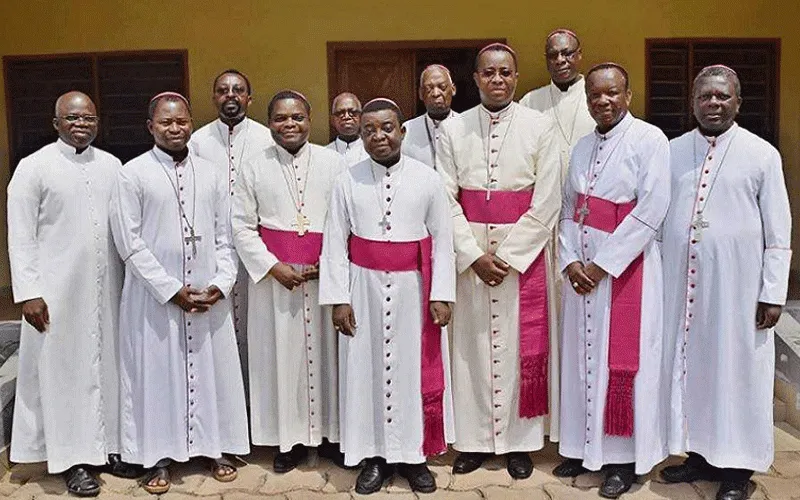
column 627, row 316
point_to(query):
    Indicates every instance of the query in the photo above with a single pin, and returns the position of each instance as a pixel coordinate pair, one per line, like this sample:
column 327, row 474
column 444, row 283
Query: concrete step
column 778, row 411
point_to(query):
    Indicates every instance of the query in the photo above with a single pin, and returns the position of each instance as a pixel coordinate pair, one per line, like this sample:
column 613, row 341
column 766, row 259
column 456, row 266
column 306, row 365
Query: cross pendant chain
column 193, row 239
column 583, row 212
column 385, row 224
column 698, row 224
column 301, row 223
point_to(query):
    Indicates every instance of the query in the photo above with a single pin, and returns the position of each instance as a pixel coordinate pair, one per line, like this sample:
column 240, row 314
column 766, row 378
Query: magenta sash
column 291, row 248
column 626, row 319
column 506, row 207
column 414, row 256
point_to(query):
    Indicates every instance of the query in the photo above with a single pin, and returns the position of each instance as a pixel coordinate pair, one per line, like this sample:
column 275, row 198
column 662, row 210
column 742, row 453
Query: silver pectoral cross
column 301, row 223
column 384, row 223
column 583, row 212
column 698, row 224
column 193, row 239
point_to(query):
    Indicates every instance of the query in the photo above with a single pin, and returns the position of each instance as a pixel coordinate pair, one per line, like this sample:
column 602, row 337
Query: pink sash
column 506, row 207
column 626, row 317
column 414, row 256
column 291, row 248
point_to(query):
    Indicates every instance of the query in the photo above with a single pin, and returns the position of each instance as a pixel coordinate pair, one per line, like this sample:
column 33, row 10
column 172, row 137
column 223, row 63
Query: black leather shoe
column 284, row 462
column 419, row 477
column 80, row 483
column 618, row 480
column 733, row 490
column 519, row 465
column 571, row 467
column 372, row 476
column 116, row 467
column 687, row 472
column 468, row 461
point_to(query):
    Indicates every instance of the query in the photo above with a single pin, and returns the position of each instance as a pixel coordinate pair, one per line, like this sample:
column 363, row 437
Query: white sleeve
column 24, row 199
column 334, row 262
column 776, row 219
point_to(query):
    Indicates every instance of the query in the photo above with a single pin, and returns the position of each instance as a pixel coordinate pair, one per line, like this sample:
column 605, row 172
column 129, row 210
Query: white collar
column 381, row 170
column 71, row 153
column 577, row 88
column 347, row 145
column 619, row 128
column 436, row 123
column 287, row 157
column 164, row 158
column 224, row 130
column 501, row 115
column 721, row 138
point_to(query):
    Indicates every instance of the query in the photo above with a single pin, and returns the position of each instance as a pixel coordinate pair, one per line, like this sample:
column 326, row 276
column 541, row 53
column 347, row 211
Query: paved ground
column 321, row 480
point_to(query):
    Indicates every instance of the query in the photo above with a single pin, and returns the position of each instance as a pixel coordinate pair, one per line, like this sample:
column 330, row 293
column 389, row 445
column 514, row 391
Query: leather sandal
column 221, row 465
column 80, row 482
column 157, row 474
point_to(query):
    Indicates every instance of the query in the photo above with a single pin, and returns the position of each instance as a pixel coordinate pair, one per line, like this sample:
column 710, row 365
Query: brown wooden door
column 378, row 73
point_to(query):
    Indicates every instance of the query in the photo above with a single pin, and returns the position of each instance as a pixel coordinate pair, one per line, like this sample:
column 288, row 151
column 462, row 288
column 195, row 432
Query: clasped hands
column 344, row 319
column 584, row 278
column 195, row 300
column 291, row 278
column 490, row 269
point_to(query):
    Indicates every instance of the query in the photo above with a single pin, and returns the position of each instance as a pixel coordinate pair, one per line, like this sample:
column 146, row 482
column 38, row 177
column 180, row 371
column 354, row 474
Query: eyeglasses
column 90, row 119
column 355, row 113
column 566, row 54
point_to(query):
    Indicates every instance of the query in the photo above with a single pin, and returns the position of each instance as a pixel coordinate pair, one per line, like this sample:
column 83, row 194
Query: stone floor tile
column 22, row 473
column 187, row 477
column 110, row 495
column 778, row 488
column 173, row 495
column 450, row 495
column 559, row 491
column 398, row 484
column 786, row 438
column 7, row 488
column 787, row 464
column 302, row 478
column 239, row 495
column 443, row 475
column 49, row 484
column 655, row 491
column 249, row 478
column 589, row 480
column 114, row 484
column 384, row 495
column 315, row 495
column 339, row 480
column 492, row 473
column 501, row 493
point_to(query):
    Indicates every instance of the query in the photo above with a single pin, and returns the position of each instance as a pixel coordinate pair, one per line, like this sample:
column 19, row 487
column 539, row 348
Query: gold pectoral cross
column 193, row 239
column 698, row 224
column 301, row 223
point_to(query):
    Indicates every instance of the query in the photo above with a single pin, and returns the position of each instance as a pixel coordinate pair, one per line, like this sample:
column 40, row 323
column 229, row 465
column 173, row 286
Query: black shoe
column 333, row 452
column 468, row 461
column 733, row 490
column 116, row 467
column 80, row 482
column 372, row 476
column 688, row 472
column 618, row 480
column 419, row 477
column 571, row 467
column 519, row 465
column 284, row 462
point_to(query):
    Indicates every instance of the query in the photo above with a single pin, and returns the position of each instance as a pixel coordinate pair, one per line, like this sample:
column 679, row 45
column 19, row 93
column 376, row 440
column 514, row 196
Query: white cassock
column 422, row 135
column 632, row 164
column 569, row 111
column 353, row 152
column 67, row 398
column 380, row 397
column 181, row 387
column 293, row 349
column 486, row 374
column 723, row 369
column 228, row 148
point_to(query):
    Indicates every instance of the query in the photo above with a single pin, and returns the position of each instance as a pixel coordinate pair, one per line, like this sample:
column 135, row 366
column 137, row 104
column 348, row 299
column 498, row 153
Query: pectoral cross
column 384, row 223
column 193, row 239
column 698, row 224
column 583, row 212
column 301, row 223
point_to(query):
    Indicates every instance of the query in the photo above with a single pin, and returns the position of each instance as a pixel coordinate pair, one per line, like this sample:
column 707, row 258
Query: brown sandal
column 157, row 474
column 221, row 465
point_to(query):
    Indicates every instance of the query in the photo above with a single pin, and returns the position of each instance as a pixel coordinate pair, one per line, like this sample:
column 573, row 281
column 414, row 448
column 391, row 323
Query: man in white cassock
column 501, row 172
column 387, row 266
column 436, row 91
column 181, row 385
column 227, row 142
column 278, row 214
column 564, row 98
column 726, row 244
column 67, row 276
column 346, row 120
column 615, row 200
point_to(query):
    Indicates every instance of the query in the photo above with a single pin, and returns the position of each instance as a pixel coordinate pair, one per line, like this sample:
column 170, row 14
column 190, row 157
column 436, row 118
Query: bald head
column 76, row 119
column 436, row 91
column 346, row 116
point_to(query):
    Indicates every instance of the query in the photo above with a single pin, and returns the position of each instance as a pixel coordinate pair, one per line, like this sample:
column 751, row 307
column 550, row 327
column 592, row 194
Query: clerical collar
column 579, row 87
column 380, row 169
column 224, row 130
column 167, row 158
column 619, row 128
column 499, row 115
column 72, row 153
column 717, row 140
column 436, row 123
column 287, row 157
column 342, row 145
